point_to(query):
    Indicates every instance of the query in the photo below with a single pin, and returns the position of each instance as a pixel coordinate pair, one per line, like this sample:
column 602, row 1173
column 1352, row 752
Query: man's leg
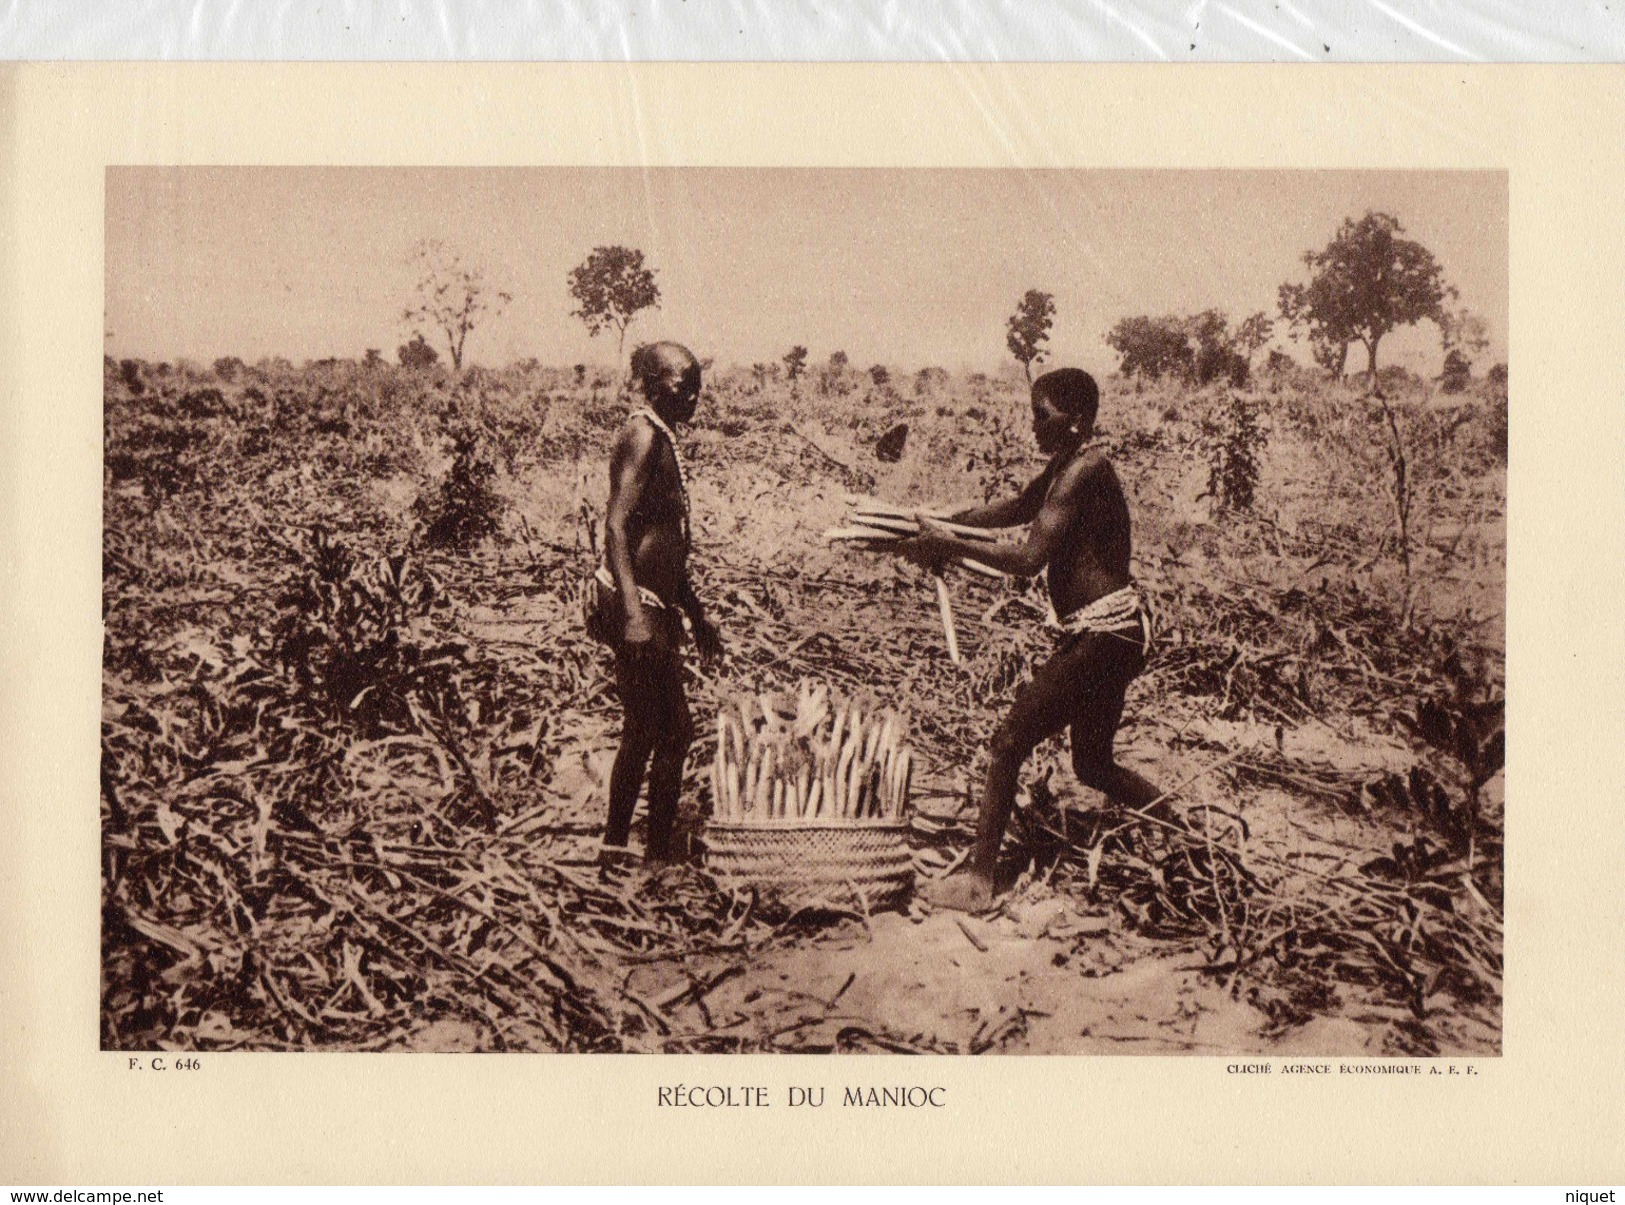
column 1107, row 664
column 639, row 710
column 674, row 733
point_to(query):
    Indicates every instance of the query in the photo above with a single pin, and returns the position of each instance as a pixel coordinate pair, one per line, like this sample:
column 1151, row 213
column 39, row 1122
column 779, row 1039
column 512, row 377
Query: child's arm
column 1010, row 512
column 1057, row 509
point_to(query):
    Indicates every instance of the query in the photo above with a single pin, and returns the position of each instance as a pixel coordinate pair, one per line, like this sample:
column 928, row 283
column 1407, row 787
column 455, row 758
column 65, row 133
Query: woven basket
column 860, row 864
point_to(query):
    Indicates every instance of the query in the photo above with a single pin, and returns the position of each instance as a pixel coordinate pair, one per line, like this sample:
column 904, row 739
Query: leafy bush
column 1152, row 347
column 202, row 403
column 417, row 354
column 165, row 456
column 1234, row 441
column 354, row 643
column 1457, row 374
column 466, row 509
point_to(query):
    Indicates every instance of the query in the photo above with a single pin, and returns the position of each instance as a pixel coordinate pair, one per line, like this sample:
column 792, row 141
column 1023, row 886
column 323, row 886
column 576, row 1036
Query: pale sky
column 901, row 267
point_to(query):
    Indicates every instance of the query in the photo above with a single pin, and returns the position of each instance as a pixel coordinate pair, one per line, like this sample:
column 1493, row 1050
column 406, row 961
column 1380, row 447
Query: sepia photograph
column 804, row 610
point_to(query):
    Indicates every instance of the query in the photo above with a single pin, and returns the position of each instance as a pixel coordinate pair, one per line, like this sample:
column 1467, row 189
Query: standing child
column 1079, row 539
column 638, row 596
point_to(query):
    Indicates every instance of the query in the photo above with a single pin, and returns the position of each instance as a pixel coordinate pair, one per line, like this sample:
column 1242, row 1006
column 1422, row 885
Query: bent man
column 638, row 596
column 1079, row 539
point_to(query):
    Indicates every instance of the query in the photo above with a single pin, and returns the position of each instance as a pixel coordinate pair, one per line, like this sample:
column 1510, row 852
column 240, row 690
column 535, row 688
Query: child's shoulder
column 1087, row 461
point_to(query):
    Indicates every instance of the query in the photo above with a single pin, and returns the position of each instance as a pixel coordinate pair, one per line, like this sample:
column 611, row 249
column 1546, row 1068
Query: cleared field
column 355, row 739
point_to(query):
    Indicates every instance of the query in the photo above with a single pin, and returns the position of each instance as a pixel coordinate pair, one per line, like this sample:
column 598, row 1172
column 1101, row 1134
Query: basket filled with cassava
column 810, row 799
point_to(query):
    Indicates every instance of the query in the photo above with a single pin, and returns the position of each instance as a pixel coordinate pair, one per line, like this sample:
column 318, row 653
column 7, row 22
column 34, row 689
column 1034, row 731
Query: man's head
column 669, row 376
column 1064, row 406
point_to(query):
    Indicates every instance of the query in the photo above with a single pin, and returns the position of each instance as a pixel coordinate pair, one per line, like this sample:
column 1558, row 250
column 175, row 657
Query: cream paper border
column 1550, row 1110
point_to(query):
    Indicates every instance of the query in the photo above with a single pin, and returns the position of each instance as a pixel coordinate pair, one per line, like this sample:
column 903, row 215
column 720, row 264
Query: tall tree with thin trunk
column 451, row 295
column 1028, row 329
column 611, row 287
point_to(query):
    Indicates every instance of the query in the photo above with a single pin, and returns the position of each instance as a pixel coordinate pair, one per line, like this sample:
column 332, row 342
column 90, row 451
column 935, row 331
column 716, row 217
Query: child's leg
column 1041, row 709
column 1107, row 663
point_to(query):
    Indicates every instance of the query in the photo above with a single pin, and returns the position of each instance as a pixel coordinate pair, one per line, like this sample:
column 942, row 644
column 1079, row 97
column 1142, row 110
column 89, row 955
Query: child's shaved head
column 1071, row 391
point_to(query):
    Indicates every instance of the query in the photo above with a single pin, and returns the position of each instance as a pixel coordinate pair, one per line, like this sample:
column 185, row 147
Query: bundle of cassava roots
column 874, row 524
column 787, row 757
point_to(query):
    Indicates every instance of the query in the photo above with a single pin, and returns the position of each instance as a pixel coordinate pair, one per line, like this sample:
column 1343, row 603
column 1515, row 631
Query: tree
column 1252, row 334
column 1215, row 352
column 1152, row 347
column 880, row 375
column 1331, row 355
column 1028, row 329
column 451, row 296
column 795, row 362
column 832, row 377
column 1464, row 333
column 1366, row 282
column 611, row 287
column 1457, row 374
column 417, row 353
column 227, row 368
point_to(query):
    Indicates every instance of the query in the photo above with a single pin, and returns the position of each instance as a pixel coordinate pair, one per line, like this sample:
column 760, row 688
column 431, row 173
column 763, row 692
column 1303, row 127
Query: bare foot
column 959, row 892
column 614, row 862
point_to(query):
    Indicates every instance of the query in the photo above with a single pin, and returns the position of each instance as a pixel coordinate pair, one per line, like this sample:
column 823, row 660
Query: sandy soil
column 1047, row 973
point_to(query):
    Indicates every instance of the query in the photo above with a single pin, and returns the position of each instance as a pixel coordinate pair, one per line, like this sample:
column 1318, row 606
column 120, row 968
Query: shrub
column 202, row 403
column 466, row 509
column 349, row 636
column 1152, row 347
column 1398, row 379
column 1457, row 375
column 1216, row 356
column 130, row 370
column 1234, row 442
column 417, row 354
